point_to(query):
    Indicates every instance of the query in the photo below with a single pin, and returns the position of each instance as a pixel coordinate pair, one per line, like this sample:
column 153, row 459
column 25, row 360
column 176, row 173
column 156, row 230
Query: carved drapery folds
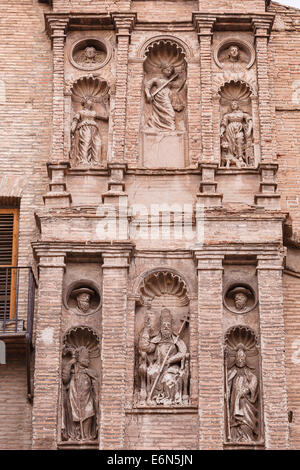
column 162, row 374
column 236, row 129
column 80, row 384
column 165, row 103
column 89, row 126
column 165, row 93
column 242, row 386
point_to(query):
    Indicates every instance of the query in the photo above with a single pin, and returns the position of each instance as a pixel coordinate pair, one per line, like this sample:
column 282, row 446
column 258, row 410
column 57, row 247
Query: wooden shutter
column 8, row 257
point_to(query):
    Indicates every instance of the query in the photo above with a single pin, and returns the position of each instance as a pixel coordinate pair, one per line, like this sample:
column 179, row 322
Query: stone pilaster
column 269, row 272
column 47, row 351
column 113, row 354
column 262, row 26
column 58, row 195
column 124, row 22
column 208, row 196
column 210, row 350
column 204, row 24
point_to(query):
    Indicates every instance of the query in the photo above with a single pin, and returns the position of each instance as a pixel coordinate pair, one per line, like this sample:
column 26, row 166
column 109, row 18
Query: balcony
column 17, row 299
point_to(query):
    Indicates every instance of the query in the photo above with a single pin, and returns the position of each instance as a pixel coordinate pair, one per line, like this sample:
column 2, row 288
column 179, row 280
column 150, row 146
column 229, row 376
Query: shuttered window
column 8, row 258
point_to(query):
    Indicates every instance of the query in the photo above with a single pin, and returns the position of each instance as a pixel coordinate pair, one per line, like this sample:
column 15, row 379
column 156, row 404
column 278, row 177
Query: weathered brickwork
column 145, row 102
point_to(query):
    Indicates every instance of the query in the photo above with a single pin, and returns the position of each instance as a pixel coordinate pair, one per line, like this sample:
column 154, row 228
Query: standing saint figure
column 86, row 140
column 81, row 397
column 163, row 366
column 162, row 94
column 235, row 132
column 242, row 389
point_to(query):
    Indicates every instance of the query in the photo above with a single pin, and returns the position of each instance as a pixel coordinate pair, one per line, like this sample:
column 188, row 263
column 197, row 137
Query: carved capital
column 124, row 23
column 203, row 24
column 56, row 25
column 262, row 25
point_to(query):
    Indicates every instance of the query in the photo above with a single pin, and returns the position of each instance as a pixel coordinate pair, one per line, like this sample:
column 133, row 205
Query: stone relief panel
column 164, row 105
column 242, row 386
column 236, row 126
column 80, row 385
column 90, row 53
column 89, row 122
column 240, row 299
column 234, row 55
column 82, row 298
column 162, row 358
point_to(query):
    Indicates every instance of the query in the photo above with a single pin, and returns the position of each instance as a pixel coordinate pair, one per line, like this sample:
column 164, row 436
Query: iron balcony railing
column 17, row 294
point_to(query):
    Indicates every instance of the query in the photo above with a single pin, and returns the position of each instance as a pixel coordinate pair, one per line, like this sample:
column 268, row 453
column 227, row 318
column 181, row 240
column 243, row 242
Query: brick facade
column 247, row 217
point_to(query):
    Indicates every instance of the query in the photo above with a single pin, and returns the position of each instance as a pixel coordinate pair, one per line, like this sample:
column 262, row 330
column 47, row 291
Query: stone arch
column 181, row 46
column 160, row 282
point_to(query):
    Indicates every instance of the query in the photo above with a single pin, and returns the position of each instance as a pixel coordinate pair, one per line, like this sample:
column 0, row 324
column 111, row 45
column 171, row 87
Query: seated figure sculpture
column 163, row 364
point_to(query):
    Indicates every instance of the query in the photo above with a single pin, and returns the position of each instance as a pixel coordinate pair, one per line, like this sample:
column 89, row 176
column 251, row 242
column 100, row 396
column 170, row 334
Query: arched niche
column 162, row 343
column 81, row 366
column 89, row 112
column 243, row 391
column 164, row 105
column 239, row 136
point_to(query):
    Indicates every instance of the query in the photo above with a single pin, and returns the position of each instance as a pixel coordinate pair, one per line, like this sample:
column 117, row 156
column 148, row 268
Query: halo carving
column 238, row 335
column 235, row 90
column 90, row 88
column 90, row 54
column 165, row 285
column 247, row 52
column 80, row 336
column 165, row 39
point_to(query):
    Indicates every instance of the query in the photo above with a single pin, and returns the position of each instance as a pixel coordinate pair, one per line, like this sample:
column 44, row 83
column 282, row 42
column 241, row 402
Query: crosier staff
column 166, row 357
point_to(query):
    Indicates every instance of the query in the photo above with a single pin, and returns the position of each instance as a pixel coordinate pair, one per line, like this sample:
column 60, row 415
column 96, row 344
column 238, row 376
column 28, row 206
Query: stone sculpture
column 242, row 389
column 236, row 137
column 165, row 99
column 86, row 140
column 80, row 386
column 163, row 364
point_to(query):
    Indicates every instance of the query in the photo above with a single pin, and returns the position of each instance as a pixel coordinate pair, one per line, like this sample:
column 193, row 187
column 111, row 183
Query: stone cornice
column 58, row 248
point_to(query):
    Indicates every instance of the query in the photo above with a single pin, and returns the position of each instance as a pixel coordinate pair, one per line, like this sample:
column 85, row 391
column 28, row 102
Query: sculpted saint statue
column 163, row 364
column 81, row 397
column 236, row 129
column 163, row 94
column 86, row 140
column 242, row 386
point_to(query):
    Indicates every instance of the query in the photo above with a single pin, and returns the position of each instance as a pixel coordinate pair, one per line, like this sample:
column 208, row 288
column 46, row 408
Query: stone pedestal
column 163, row 149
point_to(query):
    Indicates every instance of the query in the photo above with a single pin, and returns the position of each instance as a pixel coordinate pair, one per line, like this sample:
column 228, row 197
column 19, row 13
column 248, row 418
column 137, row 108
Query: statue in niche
column 236, row 138
column 242, row 385
column 163, row 363
column 81, row 396
column 83, row 298
column 163, row 95
column 86, row 139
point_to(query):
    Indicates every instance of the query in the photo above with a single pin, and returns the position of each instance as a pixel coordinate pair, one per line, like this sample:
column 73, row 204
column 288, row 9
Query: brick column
column 58, row 195
column 203, row 25
column 113, row 355
column 47, row 352
column 262, row 26
column 269, row 272
column 124, row 23
column 210, row 351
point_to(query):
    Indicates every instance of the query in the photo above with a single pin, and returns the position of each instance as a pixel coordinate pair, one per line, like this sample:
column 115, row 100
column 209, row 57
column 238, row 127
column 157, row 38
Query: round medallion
column 90, row 54
column 82, row 298
column 240, row 299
